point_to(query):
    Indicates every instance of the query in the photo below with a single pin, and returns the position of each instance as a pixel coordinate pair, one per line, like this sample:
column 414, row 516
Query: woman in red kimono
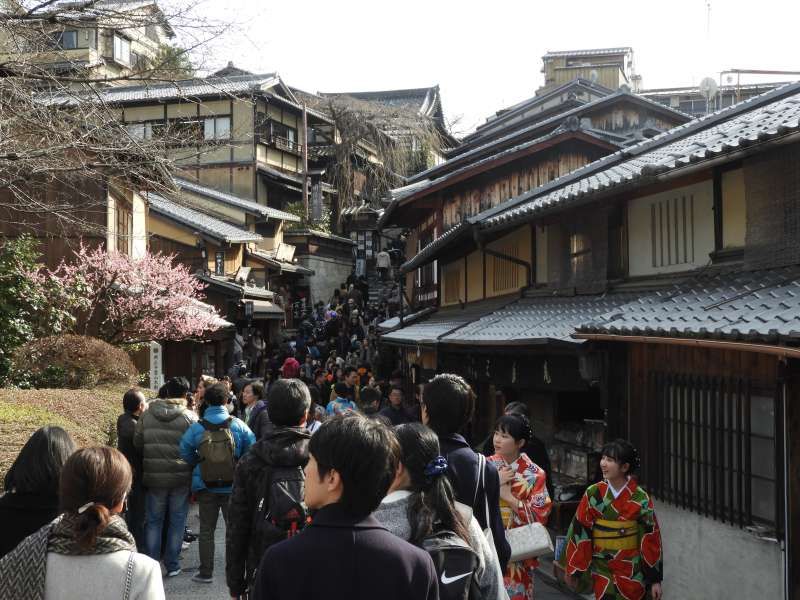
column 523, row 495
column 615, row 535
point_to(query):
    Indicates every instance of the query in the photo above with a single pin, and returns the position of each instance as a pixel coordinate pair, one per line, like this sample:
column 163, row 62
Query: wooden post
column 305, row 161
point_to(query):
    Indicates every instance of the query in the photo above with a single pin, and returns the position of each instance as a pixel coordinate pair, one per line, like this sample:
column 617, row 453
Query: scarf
column 24, row 569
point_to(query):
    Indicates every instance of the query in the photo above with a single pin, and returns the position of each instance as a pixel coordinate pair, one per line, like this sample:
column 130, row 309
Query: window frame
column 215, row 134
column 116, row 50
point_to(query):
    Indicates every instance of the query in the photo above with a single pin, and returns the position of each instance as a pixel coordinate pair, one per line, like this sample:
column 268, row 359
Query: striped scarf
column 24, row 569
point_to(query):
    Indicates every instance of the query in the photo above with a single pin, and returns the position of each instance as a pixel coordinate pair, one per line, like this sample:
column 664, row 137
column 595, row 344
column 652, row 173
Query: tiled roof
column 757, row 119
column 408, row 319
column 199, row 221
column 191, row 88
column 445, row 320
column 226, row 283
column 246, row 205
column 269, row 256
column 751, row 305
column 460, row 231
column 421, row 100
column 589, row 52
column 504, row 156
column 549, row 123
column 538, row 319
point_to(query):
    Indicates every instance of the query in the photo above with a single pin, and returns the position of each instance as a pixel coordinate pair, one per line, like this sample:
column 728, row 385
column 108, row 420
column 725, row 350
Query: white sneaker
column 174, row 573
column 185, row 546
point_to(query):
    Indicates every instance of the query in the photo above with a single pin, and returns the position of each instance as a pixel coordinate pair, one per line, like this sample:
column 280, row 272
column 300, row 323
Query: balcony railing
column 284, row 144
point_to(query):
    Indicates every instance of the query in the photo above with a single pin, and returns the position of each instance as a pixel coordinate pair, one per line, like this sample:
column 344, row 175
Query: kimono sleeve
column 578, row 551
column 530, row 488
column 650, row 544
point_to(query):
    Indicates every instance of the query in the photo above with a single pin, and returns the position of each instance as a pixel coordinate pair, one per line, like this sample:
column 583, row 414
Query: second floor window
column 219, row 263
column 217, row 128
column 66, row 40
column 122, row 50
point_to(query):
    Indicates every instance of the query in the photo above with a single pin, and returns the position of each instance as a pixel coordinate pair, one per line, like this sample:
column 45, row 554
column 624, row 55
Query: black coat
column 339, row 557
column 259, row 422
column 282, row 447
column 462, row 468
column 126, row 427
column 396, row 416
column 22, row 515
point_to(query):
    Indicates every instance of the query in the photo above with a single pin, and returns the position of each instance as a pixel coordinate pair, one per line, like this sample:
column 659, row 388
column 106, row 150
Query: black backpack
column 280, row 509
column 456, row 565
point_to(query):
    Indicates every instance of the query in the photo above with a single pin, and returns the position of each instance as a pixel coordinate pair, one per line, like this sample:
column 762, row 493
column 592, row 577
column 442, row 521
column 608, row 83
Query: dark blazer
column 362, row 561
column 126, row 428
column 22, row 515
column 462, row 468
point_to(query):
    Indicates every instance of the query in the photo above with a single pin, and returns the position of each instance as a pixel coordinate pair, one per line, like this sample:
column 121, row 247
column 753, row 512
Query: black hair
column 433, row 501
column 517, row 408
column 132, row 400
column 622, row 451
column 399, row 389
column 515, row 425
column 369, row 395
column 364, row 452
column 257, row 388
column 37, row 468
column 341, row 389
column 349, row 370
column 216, row 395
column 175, row 387
column 288, row 401
column 450, row 403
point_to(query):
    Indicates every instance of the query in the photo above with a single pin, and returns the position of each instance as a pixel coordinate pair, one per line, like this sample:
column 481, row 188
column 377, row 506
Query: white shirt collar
column 395, row 496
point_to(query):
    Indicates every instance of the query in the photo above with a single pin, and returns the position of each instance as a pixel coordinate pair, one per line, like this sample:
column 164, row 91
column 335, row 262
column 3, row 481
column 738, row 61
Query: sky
column 487, row 55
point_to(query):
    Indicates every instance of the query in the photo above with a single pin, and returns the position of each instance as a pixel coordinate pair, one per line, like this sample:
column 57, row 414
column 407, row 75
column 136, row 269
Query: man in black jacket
column 447, row 406
column 352, row 462
column 133, row 402
column 285, row 445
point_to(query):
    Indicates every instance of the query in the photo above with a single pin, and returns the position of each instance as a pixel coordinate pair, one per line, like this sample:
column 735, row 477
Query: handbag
column 528, row 541
column 487, row 533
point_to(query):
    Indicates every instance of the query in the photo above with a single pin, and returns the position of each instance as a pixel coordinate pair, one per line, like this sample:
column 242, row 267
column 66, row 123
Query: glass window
column 217, row 128
column 136, row 130
column 65, row 40
column 122, row 50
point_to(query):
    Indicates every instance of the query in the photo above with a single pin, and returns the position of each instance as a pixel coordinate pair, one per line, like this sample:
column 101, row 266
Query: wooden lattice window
column 505, row 274
column 452, row 285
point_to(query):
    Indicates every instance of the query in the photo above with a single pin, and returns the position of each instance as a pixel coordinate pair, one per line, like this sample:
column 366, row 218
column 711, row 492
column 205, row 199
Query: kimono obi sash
column 615, row 535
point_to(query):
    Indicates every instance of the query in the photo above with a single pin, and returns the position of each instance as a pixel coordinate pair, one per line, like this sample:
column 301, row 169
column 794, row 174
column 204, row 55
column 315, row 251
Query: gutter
column 780, row 351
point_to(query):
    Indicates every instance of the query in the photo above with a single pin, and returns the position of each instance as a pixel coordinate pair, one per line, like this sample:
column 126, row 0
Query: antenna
column 708, row 19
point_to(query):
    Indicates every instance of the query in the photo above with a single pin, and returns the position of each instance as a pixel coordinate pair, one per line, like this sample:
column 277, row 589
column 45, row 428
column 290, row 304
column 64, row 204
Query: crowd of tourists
column 331, row 482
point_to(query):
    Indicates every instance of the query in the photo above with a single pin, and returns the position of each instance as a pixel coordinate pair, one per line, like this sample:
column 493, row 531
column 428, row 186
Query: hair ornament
column 438, row 466
column 84, row 508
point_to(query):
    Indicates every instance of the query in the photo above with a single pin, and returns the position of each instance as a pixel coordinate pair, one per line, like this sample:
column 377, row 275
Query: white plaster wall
column 329, row 274
column 139, row 211
column 640, row 245
column 708, row 560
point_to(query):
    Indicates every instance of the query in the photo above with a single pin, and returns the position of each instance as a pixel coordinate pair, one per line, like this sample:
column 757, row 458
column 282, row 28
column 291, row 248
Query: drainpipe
column 481, row 243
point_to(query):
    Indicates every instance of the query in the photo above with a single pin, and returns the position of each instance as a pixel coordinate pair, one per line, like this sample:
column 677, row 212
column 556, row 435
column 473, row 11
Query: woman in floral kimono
column 523, row 495
column 615, row 535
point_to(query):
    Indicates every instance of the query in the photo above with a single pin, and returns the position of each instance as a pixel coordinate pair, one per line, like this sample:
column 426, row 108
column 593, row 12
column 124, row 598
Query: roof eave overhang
column 718, row 344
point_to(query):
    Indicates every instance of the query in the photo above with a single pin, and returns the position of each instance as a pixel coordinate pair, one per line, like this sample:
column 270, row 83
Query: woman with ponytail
column 87, row 552
column 421, row 501
column 523, row 494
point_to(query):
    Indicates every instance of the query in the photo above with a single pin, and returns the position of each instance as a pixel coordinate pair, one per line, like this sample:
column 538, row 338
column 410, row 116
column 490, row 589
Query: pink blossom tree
column 121, row 299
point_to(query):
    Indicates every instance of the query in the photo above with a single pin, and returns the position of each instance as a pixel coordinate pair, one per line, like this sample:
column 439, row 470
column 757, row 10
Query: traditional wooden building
column 654, row 298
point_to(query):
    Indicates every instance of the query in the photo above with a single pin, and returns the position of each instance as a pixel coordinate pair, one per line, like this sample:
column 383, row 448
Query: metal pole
column 305, row 161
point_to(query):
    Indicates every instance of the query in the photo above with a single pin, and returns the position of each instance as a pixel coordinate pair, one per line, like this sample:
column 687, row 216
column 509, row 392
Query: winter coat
column 396, row 416
column 21, row 515
column 158, row 436
column 102, row 576
column 393, row 514
column 462, row 469
column 243, row 438
column 259, row 422
column 283, row 447
column 126, row 428
column 361, row 561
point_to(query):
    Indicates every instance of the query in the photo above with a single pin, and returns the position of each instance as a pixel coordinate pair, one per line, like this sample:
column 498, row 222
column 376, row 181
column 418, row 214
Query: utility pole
column 305, row 161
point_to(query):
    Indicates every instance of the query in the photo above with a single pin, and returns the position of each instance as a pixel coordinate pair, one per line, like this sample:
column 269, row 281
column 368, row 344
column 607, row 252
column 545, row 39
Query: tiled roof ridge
column 662, row 139
column 195, row 218
column 234, row 200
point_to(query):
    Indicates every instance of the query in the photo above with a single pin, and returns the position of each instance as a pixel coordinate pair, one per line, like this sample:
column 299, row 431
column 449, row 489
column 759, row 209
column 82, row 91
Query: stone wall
column 329, row 274
column 708, row 560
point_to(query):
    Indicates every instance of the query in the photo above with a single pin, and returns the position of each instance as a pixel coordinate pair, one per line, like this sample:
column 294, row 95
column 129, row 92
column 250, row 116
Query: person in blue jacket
column 212, row 500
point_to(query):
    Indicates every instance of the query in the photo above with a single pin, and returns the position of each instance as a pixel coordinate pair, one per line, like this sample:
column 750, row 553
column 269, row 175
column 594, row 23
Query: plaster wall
column 708, row 560
column 683, row 222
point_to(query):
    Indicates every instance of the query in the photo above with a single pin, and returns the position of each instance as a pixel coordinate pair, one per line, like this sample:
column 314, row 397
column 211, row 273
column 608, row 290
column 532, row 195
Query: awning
column 760, row 306
column 428, row 331
column 538, row 319
column 264, row 309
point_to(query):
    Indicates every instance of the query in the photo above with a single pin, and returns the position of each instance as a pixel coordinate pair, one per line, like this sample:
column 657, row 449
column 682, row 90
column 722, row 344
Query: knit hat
column 290, row 368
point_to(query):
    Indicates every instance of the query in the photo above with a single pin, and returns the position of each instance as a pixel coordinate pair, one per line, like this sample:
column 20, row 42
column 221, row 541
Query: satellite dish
column 593, row 76
column 708, row 88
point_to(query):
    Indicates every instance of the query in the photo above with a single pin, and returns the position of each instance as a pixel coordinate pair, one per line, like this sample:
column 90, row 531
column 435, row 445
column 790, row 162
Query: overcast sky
column 487, row 55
